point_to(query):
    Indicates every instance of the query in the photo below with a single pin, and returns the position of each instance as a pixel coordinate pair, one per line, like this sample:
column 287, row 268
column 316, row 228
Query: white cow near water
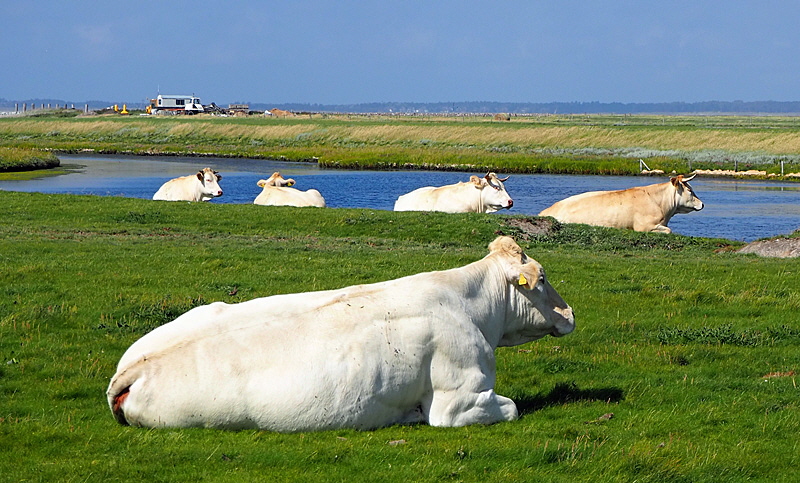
column 277, row 191
column 479, row 195
column 198, row 187
column 416, row 349
column 642, row 208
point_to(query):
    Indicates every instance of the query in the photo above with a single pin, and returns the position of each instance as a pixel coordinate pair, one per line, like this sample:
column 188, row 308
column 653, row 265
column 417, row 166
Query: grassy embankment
column 20, row 159
column 694, row 350
column 537, row 144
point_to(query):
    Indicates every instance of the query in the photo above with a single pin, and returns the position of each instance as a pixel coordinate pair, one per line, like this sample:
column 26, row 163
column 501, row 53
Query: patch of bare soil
column 524, row 228
column 777, row 247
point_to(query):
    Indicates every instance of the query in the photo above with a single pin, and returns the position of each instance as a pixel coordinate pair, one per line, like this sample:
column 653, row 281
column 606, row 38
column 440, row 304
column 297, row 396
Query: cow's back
column 284, row 196
column 421, row 199
column 179, row 189
column 325, row 357
column 599, row 208
column 455, row 198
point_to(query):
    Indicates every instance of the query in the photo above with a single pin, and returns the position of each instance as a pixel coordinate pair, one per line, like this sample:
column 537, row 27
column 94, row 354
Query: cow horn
column 690, row 177
column 488, row 179
column 503, row 180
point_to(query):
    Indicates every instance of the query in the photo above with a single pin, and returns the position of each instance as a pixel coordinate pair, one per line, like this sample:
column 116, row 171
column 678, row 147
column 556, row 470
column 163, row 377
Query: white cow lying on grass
column 277, row 191
column 416, row 349
column 642, row 208
column 479, row 195
column 199, row 187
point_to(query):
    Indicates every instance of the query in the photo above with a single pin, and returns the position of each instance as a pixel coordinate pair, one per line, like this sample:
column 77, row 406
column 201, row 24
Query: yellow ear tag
column 289, row 184
column 522, row 280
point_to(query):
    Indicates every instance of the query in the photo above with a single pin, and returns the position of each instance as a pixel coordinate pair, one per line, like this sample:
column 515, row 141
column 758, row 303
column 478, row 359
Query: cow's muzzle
column 566, row 324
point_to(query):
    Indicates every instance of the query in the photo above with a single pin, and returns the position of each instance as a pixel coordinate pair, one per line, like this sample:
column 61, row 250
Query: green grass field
column 694, row 349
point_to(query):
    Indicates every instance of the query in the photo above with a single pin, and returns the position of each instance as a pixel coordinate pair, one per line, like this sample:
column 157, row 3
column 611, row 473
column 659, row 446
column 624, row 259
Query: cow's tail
column 118, row 392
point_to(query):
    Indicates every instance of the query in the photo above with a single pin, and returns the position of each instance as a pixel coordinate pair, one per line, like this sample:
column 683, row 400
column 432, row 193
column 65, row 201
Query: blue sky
column 343, row 52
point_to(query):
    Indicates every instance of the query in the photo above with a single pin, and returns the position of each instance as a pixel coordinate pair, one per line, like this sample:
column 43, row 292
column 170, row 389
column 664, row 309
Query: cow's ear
column 528, row 276
column 219, row 176
column 200, row 175
column 261, row 183
column 476, row 181
column 676, row 180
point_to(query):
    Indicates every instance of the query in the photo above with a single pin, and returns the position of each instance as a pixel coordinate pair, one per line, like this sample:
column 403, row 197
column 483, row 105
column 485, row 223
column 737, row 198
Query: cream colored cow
column 479, row 195
column 642, row 208
column 277, row 191
column 359, row 357
column 199, row 187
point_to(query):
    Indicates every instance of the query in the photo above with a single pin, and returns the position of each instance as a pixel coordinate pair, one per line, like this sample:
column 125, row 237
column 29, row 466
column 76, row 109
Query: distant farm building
column 239, row 109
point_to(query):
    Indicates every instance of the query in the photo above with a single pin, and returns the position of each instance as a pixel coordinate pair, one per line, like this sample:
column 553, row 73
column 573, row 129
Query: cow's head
column 535, row 308
column 276, row 180
column 209, row 179
column 686, row 200
column 493, row 193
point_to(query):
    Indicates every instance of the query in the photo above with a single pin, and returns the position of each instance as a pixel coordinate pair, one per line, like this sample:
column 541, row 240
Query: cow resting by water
column 277, row 191
column 479, row 195
column 642, row 208
column 198, row 187
column 359, row 357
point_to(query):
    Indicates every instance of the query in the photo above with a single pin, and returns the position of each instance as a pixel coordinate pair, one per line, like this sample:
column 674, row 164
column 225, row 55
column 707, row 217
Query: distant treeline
column 478, row 107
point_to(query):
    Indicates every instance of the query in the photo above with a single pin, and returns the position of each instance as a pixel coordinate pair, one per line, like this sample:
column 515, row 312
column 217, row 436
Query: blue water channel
column 734, row 209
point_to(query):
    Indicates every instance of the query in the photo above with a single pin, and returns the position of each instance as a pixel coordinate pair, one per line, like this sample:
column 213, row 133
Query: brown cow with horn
column 642, row 208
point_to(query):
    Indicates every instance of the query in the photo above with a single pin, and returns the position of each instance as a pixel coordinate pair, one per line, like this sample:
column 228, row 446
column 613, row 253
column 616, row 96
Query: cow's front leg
column 453, row 408
column 661, row 229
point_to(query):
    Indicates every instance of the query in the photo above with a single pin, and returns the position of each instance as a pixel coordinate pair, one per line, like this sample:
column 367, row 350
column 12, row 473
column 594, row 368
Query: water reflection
column 735, row 209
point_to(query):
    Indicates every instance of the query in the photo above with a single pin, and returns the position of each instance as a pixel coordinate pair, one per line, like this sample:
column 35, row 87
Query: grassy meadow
column 530, row 144
column 682, row 367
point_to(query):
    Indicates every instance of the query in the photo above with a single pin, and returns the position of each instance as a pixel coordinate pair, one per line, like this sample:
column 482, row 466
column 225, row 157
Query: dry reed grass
column 521, row 134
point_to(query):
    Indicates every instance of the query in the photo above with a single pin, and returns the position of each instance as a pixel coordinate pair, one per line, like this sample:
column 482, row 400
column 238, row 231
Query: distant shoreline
column 700, row 108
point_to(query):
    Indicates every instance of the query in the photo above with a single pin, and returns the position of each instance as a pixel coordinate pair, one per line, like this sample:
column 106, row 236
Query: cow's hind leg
column 116, row 409
column 461, row 409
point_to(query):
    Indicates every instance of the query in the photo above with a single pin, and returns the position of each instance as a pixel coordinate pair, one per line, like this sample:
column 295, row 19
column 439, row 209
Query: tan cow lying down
column 277, row 192
column 642, row 208
column 199, row 187
column 479, row 195
column 360, row 357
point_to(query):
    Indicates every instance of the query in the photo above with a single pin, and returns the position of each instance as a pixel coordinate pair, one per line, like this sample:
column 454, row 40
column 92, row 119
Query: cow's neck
column 483, row 287
column 664, row 196
column 481, row 203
